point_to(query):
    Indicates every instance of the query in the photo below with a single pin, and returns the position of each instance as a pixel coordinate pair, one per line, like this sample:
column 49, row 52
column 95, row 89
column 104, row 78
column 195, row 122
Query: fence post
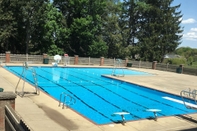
column 181, row 66
column 76, row 60
column 126, row 61
column 7, row 57
column 44, row 56
column 101, row 61
column 167, row 66
column 139, row 64
column 154, row 65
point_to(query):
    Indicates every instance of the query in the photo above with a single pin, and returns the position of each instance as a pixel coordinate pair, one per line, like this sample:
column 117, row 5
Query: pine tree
column 129, row 20
column 129, row 23
column 159, row 29
column 111, row 31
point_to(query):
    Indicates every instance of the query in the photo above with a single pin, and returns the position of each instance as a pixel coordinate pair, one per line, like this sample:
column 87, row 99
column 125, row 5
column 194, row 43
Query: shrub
column 177, row 61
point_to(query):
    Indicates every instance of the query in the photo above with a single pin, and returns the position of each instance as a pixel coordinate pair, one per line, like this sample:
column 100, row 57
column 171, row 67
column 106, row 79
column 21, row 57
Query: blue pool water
column 98, row 97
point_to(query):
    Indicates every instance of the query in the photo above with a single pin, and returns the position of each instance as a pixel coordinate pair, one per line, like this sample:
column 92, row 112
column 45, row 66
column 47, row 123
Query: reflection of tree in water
column 56, row 75
column 65, row 73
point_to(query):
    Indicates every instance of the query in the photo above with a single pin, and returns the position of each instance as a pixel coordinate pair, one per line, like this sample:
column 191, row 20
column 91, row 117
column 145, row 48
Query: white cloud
column 189, row 21
column 192, row 35
column 194, row 29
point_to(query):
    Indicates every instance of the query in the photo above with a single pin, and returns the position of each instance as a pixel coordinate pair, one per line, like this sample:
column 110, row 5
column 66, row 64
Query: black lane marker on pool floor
column 129, row 91
column 75, row 96
column 115, row 93
column 111, row 92
column 93, row 93
column 101, row 96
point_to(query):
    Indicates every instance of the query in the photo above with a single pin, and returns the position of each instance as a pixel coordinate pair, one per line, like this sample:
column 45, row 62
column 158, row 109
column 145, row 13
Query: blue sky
column 189, row 22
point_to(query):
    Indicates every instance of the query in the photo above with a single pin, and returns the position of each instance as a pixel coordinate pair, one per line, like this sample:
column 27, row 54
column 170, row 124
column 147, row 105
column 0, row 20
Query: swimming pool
column 98, row 97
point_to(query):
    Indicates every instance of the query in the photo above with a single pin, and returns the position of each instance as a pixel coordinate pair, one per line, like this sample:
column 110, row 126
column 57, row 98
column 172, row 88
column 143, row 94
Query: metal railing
column 187, row 96
column 27, row 69
column 66, row 100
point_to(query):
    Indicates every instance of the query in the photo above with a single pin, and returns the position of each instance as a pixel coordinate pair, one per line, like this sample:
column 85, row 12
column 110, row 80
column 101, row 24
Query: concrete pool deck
column 42, row 113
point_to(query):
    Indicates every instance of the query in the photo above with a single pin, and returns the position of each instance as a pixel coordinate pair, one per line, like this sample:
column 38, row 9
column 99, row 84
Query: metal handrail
column 117, row 65
column 23, row 74
column 189, row 94
column 71, row 101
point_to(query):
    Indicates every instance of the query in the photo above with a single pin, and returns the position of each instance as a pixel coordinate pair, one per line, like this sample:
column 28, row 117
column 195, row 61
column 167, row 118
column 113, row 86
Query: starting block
column 122, row 115
column 154, row 112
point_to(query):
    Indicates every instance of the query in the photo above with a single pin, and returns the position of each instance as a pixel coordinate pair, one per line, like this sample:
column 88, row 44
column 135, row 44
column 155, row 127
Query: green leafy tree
column 184, row 51
column 83, row 19
column 32, row 15
column 188, row 53
column 53, row 32
column 21, row 21
column 177, row 61
column 7, row 26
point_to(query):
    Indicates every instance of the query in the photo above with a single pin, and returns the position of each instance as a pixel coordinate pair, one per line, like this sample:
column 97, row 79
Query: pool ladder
column 67, row 100
column 117, row 66
column 25, row 69
column 189, row 95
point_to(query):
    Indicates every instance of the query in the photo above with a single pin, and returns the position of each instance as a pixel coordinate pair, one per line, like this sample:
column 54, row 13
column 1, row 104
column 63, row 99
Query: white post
column 114, row 61
column 139, row 63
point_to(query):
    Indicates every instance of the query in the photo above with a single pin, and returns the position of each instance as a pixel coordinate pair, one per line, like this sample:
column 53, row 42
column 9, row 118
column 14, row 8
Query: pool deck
column 42, row 113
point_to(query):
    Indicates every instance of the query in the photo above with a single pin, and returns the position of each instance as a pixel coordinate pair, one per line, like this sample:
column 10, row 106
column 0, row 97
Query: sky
column 189, row 22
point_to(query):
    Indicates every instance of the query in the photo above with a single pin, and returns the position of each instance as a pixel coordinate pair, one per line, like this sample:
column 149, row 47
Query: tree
column 52, row 32
column 129, row 19
column 83, row 19
column 7, row 25
column 129, row 23
column 188, row 53
column 32, row 15
column 159, row 30
column 111, row 31
column 21, row 20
